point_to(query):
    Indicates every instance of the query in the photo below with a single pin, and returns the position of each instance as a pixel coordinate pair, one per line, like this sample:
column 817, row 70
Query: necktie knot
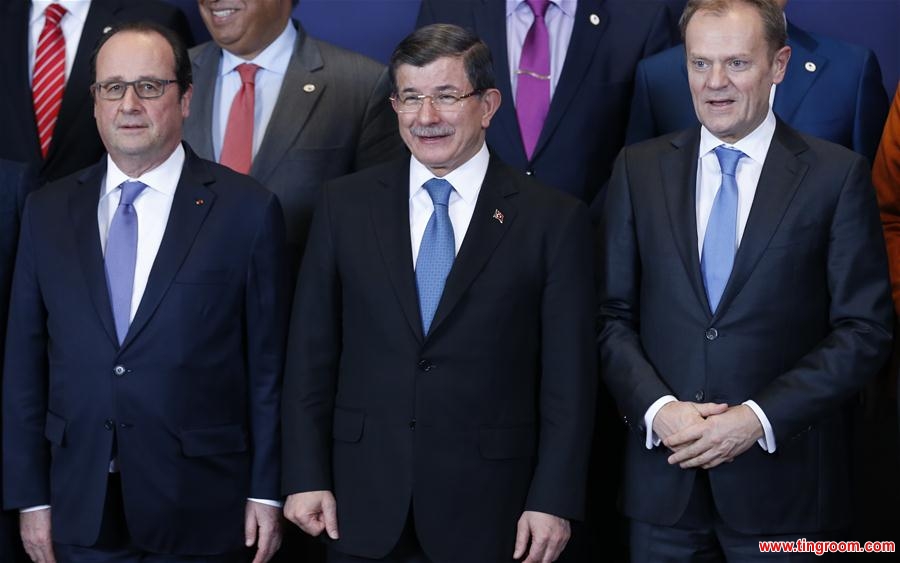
column 439, row 190
column 54, row 14
column 728, row 159
column 130, row 191
column 247, row 72
column 539, row 7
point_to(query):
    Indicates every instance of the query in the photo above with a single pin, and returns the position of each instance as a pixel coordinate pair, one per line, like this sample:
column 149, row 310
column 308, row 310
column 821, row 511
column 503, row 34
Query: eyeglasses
column 445, row 101
column 146, row 89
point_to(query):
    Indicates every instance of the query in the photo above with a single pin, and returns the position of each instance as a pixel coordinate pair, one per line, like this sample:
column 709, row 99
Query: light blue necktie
column 121, row 256
column 436, row 253
column 720, row 241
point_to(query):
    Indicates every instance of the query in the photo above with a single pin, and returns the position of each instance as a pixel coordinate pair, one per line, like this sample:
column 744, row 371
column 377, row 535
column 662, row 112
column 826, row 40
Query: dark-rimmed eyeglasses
column 445, row 101
column 146, row 89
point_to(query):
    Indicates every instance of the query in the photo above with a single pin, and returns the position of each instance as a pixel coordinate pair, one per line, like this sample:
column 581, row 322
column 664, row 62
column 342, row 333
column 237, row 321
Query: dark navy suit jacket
column 585, row 127
column 832, row 90
column 192, row 395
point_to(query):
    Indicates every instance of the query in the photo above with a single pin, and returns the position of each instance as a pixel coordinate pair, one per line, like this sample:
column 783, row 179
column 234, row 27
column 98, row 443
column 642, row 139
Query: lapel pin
column 199, row 202
column 595, row 19
column 498, row 215
column 107, row 29
column 309, row 88
column 810, row 66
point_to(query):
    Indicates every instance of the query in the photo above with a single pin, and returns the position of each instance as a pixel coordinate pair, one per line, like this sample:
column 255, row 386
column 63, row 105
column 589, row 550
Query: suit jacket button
column 698, row 396
column 425, row 365
column 119, row 370
column 109, row 424
column 412, row 424
column 712, row 334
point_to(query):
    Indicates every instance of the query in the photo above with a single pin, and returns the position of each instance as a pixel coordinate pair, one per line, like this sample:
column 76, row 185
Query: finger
column 689, row 452
column 555, row 548
column 264, row 548
column 329, row 511
column 702, row 459
column 537, row 549
column 312, row 524
column 710, row 409
column 686, row 435
column 523, row 532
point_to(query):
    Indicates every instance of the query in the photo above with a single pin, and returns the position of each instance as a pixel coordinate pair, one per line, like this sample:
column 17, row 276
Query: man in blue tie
column 744, row 299
column 440, row 382
column 142, row 373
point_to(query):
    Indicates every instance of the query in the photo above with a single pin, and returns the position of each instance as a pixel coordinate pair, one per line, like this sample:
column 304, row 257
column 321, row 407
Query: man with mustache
column 439, row 391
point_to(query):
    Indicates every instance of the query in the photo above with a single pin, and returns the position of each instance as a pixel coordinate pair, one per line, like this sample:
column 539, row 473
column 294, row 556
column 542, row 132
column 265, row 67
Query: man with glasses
column 142, row 377
column 439, row 387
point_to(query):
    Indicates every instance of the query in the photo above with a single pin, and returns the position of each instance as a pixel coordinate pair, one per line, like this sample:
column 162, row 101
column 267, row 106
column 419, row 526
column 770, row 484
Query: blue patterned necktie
column 720, row 241
column 121, row 256
column 436, row 253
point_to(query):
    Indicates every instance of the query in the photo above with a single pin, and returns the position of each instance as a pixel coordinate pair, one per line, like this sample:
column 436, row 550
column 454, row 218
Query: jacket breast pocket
column 216, row 440
column 507, row 442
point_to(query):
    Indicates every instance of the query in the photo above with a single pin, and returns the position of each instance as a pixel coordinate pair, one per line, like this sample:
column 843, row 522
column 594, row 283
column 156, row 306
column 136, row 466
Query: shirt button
column 529, row 172
column 712, row 334
column 698, row 396
column 119, row 370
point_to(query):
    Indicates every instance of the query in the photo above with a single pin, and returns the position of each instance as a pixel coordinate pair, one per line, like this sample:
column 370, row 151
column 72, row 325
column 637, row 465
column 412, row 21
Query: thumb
column 523, row 533
column 329, row 511
column 249, row 526
column 710, row 409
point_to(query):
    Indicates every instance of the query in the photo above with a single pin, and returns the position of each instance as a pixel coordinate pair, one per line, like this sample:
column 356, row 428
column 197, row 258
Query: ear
column 779, row 64
column 490, row 103
column 186, row 101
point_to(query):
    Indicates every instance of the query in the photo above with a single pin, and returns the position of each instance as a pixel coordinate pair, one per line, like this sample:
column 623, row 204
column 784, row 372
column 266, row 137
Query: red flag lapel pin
column 498, row 215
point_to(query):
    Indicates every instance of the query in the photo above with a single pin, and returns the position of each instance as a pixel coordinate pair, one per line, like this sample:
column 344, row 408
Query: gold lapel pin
column 308, row 88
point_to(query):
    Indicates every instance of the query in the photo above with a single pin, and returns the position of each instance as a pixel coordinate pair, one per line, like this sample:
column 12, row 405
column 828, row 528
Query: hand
column 34, row 527
column 313, row 511
column 717, row 439
column 548, row 535
column 678, row 415
column 266, row 519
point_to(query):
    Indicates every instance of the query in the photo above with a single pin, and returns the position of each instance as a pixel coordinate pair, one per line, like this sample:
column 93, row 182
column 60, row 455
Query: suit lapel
column 678, row 169
column 798, row 78
column 582, row 48
column 780, row 178
column 490, row 25
column 482, row 237
column 192, row 203
column 198, row 128
column 300, row 91
column 390, row 219
column 83, row 211
column 14, row 28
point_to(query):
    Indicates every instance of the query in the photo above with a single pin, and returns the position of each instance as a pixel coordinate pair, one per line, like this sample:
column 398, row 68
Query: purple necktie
column 533, row 82
column 121, row 256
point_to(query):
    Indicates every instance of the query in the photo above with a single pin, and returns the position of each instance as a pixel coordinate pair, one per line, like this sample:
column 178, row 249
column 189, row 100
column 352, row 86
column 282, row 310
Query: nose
column 427, row 113
column 130, row 101
column 717, row 77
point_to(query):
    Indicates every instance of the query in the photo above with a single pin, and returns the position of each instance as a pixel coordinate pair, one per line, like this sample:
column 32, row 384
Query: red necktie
column 49, row 78
column 237, row 149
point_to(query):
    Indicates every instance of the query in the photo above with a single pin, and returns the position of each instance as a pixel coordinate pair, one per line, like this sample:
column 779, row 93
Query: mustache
column 432, row 130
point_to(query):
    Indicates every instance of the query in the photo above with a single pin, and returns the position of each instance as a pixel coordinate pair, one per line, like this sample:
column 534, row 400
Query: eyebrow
column 441, row 88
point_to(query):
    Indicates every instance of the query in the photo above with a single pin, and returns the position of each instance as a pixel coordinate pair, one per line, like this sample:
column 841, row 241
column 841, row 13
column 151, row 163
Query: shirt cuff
column 767, row 442
column 267, row 502
column 652, row 439
column 34, row 508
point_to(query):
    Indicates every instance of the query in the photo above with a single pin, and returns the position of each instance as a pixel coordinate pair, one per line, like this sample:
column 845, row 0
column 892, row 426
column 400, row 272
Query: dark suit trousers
column 700, row 536
column 407, row 549
column 114, row 542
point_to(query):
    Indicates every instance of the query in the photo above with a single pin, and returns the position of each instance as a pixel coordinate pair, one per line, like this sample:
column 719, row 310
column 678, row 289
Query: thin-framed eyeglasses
column 445, row 101
column 146, row 88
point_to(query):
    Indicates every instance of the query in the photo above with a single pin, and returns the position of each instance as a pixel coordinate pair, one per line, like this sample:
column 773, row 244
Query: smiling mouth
column 720, row 103
column 223, row 13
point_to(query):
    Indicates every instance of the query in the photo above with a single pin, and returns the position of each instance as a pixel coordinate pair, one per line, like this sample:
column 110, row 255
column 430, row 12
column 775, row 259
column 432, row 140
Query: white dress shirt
column 273, row 63
column 72, row 23
column 466, row 181
column 560, row 20
column 709, row 176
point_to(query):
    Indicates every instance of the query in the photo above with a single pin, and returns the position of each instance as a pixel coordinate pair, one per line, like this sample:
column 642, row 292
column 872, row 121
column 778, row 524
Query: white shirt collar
column 755, row 145
column 466, row 179
column 164, row 178
column 76, row 8
column 274, row 58
column 567, row 6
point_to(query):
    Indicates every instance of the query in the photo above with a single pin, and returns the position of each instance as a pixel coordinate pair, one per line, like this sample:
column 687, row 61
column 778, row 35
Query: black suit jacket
column 75, row 143
column 832, row 90
column 191, row 396
column 585, row 127
column 804, row 321
column 489, row 414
